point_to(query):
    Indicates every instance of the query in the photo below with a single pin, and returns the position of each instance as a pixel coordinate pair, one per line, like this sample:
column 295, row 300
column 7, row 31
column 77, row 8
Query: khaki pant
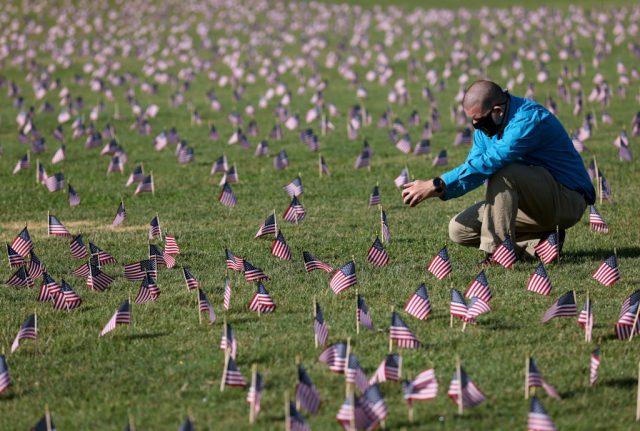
column 521, row 201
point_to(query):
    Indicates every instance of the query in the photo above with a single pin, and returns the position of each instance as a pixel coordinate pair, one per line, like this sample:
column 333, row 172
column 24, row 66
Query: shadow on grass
column 623, row 382
column 147, row 335
column 599, row 253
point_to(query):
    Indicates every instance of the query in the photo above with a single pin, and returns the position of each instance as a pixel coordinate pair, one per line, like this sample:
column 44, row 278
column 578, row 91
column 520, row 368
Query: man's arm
column 417, row 191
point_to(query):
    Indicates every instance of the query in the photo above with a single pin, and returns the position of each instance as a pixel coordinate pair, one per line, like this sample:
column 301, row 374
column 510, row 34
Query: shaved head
column 481, row 96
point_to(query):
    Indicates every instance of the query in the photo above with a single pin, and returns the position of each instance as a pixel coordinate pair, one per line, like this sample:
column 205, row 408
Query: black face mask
column 486, row 124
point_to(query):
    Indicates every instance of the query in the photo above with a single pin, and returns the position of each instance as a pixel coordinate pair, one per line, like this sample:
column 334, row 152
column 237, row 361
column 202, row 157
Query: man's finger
column 407, row 185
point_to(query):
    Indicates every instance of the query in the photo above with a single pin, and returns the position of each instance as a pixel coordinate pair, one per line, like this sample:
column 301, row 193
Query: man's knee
column 458, row 232
column 505, row 176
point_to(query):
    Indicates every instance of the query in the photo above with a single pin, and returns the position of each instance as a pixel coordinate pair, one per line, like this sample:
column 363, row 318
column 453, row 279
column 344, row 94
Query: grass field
column 169, row 366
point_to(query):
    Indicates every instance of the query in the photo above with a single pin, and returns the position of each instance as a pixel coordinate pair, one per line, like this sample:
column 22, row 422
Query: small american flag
column 136, row 271
column 35, row 268
column 344, row 278
column 505, row 254
column 56, row 228
column 335, row 356
column 306, row 393
column 625, row 325
column 5, row 379
column 479, row 287
column 324, row 169
column 441, row 159
column 467, row 393
column 157, row 254
column 220, row 165
column 296, row 420
column 230, row 176
column 362, row 161
column 44, row 424
column 419, row 305
column 280, row 248
column 388, row 370
column 564, row 306
column 102, row 256
column 585, row 319
column 74, row 199
column 281, row 160
column 23, row 164
column 261, row 301
column 377, row 254
column 121, row 215
column 234, row 263
column 190, row 280
column 320, row 328
column 596, row 221
column 404, row 144
column 608, row 272
column 476, row 307
column 233, row 377
column 146, row 185
column 354, row 374
column 22, row 243
column 227, row 294
column 170, row 245
column 136, row 176
column 294, row 188
column 82, row 271
column 59, row 155
column 251, row 273
column 55, row 182
column 401, row 335
column 262, row 149
column 539, row 281
column 535, row 379
column 148, row 292
column 78, row 247
column 14, row 257
column 423, row 388
column 228, row 340
column 205, row 307
column 122, row 316
column 374, row 198
column 386, row 235
column 311, row 263
column 268, row 226
column 115, row 165
column 41, row 174
column 227, row 197
column 48, row 289
column 254, row 395
column 423, row 147
column 440, row 265
column 403, row 178
column 548, row 248
column 538, row 419
column 20, row 278
column 374, row 406
column 154, row 228
column 593, row 368
column 187, row 425
column 457, row 307
column 28, row 331
column 98, row 280
column 295, row 212
column 363, row 313
column 66, row 298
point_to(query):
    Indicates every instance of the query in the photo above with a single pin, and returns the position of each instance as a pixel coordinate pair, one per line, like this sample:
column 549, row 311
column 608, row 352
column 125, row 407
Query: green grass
column 170, row 366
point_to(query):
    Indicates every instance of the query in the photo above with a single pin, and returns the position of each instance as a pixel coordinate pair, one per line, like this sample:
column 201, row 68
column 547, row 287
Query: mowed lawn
column 168, row 365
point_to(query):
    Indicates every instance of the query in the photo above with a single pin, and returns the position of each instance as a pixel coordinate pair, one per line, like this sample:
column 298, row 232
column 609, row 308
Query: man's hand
column 417, row 191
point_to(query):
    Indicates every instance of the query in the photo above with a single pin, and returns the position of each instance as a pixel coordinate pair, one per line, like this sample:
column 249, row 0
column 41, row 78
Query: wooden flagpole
column 226, row 363
column 638, row 397
column 390, row 338
column 130, row 315
column 526, row 378
column 35, row 322
column 635, row 322
column 47, row 417
column 287, row 413
column 298, row 360
column 252, row 404
column 381, row 223
column 357, row 319
column 313, row 316
column 400, row 367
column 346, row 366
column 235, row 168
column 48, row 223
column 586, row 328
column 197, row 304
column 459, row 374
column 410, row 405
column 159, row 225
column 319, row 165
column 451, row 315
column 275, row 222
column 153, row 184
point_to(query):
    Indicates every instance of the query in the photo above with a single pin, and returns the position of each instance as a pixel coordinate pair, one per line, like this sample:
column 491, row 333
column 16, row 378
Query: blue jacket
column 532, row 136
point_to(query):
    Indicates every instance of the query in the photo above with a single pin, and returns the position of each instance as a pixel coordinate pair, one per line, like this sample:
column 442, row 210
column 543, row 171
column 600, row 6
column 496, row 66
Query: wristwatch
column 438, row 184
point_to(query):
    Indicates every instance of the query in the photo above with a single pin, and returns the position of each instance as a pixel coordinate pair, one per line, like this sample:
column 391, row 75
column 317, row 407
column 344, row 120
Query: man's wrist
column 439, row 185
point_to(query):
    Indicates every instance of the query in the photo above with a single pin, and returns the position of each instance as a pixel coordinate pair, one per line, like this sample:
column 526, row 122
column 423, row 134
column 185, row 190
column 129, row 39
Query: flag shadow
column 599, row 253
